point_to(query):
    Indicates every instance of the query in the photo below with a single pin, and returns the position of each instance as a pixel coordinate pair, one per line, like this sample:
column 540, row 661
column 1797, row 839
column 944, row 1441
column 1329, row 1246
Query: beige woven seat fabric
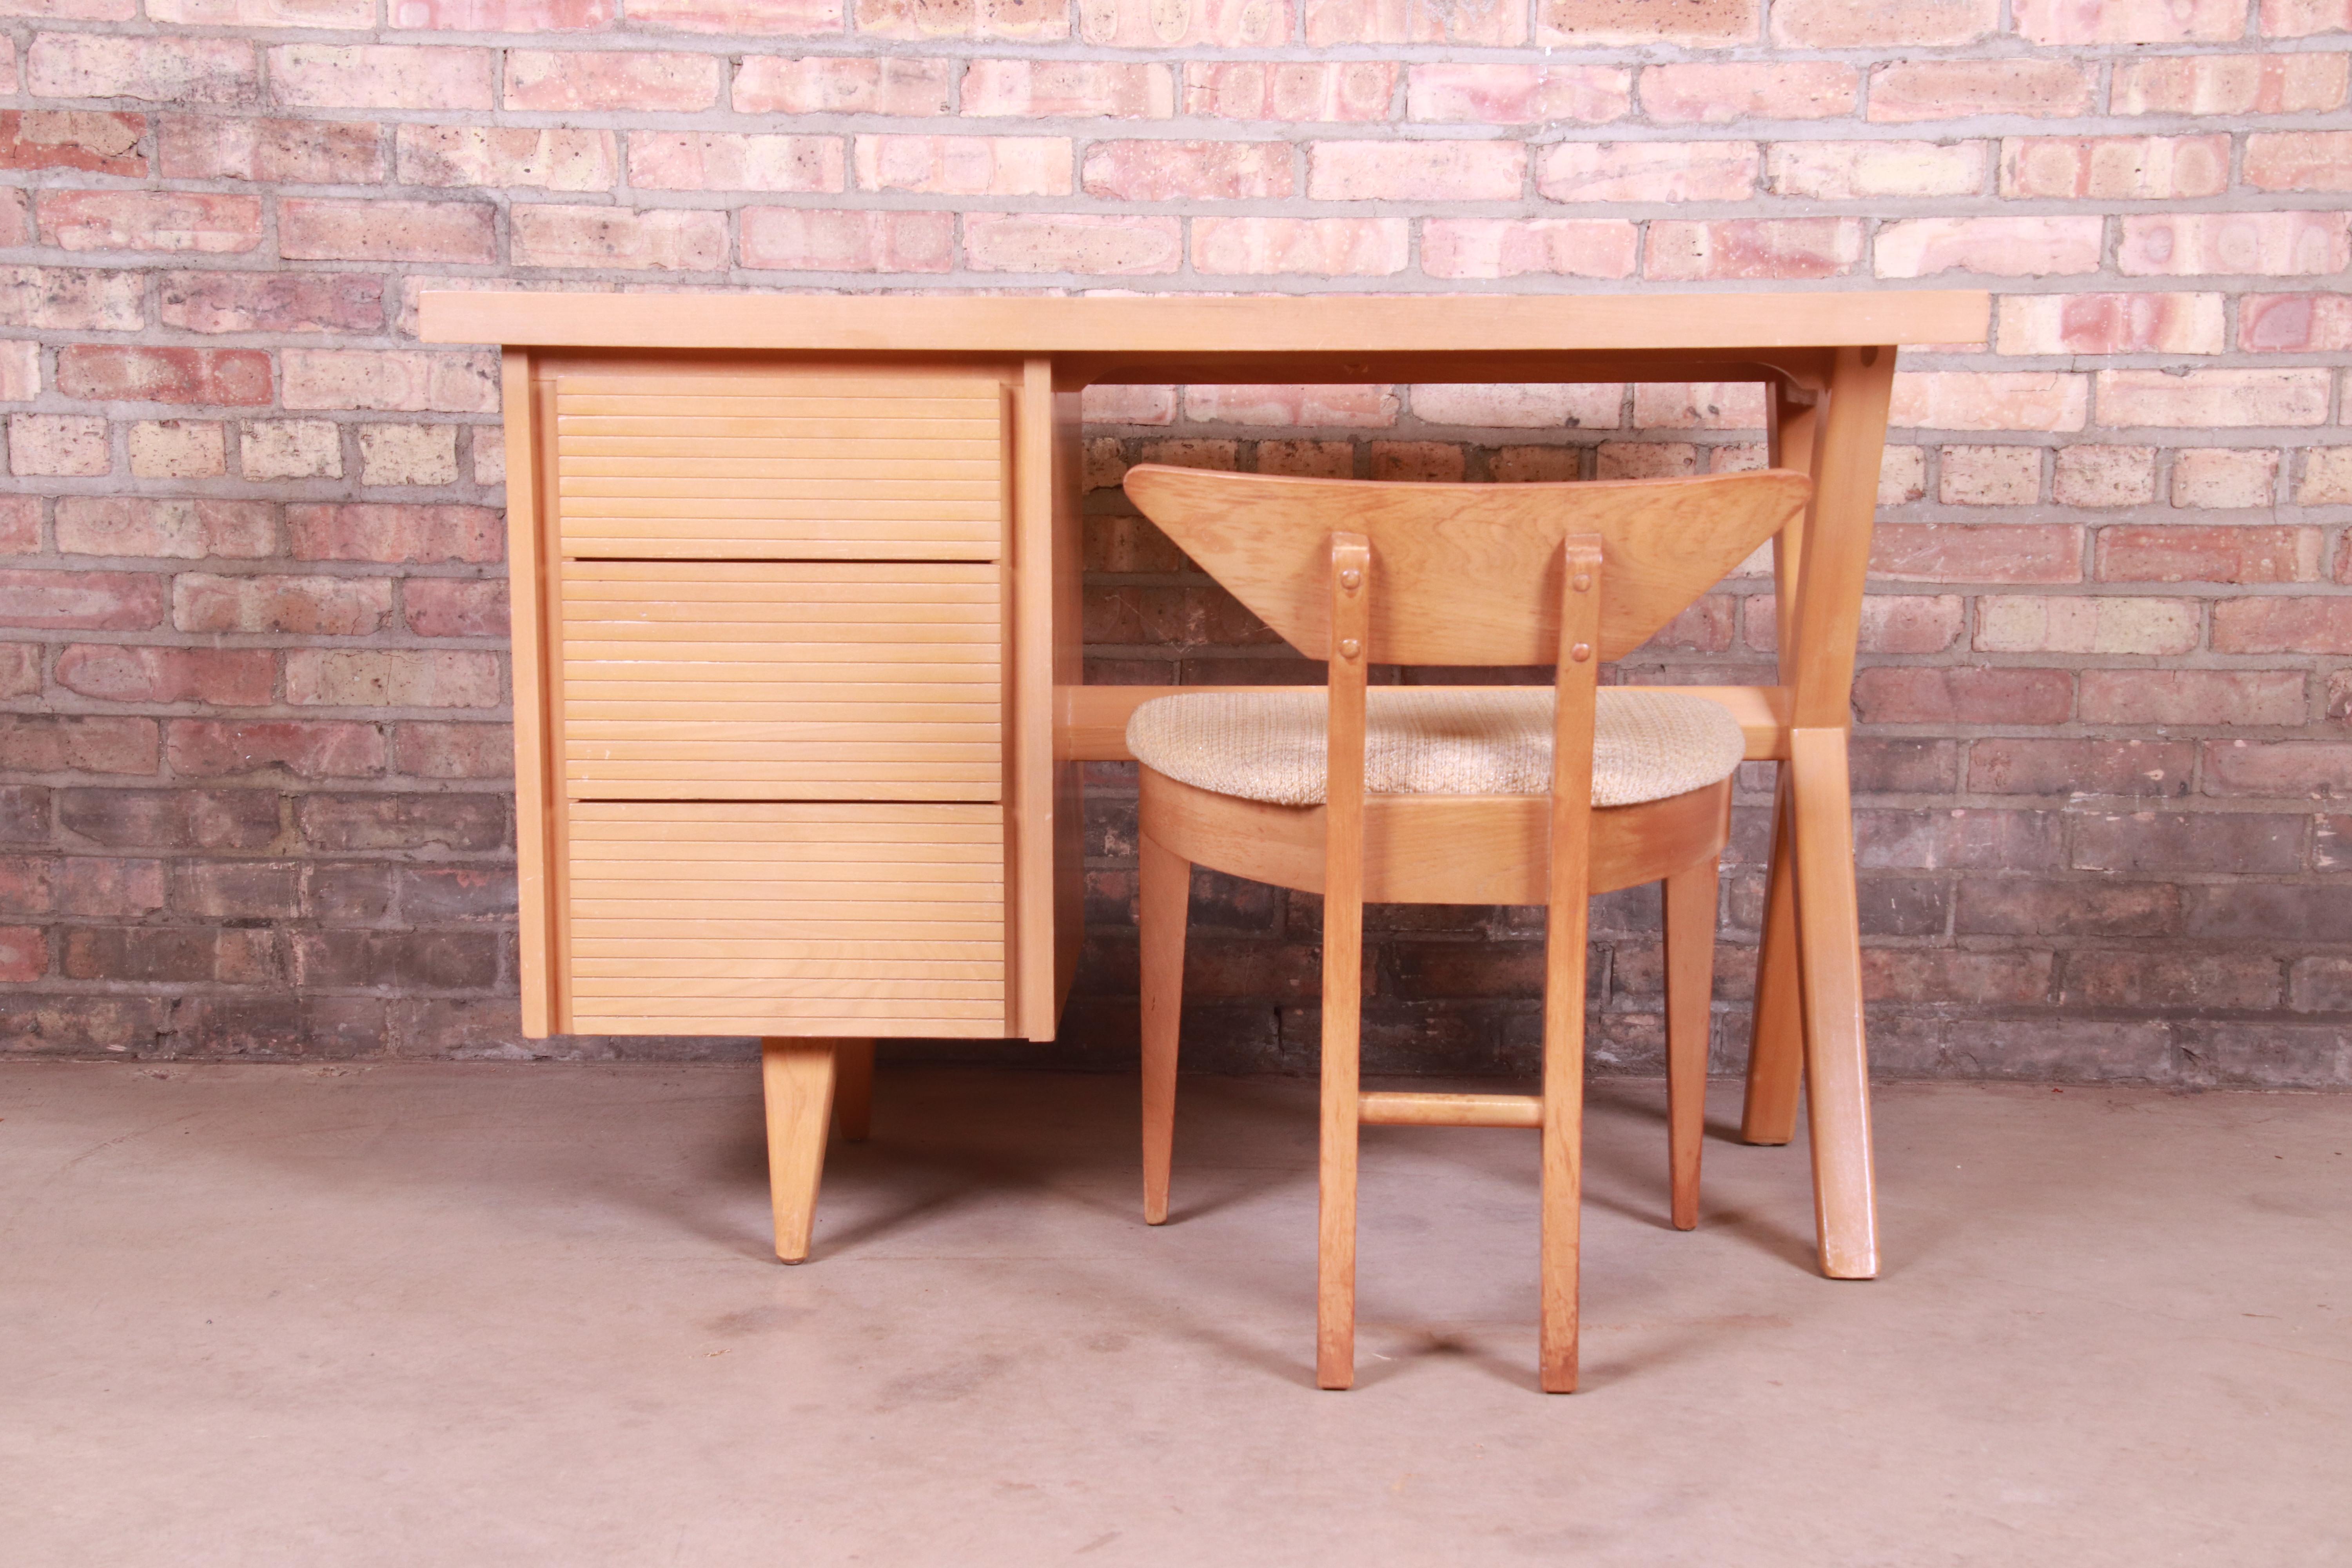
column 1435, row 740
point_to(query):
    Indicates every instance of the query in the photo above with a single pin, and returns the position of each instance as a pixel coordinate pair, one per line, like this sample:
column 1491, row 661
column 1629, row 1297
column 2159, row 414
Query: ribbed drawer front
column 723, row 680
column 728, row 918
column 780, row 467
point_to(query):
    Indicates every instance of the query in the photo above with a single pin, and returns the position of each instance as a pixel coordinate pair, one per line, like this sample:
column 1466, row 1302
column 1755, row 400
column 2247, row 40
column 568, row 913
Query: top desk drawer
column 780, row 467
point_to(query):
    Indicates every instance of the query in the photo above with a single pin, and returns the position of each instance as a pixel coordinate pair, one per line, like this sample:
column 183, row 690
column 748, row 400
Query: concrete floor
column 512, row 1315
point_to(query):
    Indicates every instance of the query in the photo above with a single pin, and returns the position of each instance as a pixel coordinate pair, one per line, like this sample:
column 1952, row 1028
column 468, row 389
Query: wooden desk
column 798, row 702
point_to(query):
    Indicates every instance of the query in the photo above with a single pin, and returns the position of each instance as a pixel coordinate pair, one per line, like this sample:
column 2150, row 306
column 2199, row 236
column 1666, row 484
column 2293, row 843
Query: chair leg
column 1690, row 898
column 853, row 1089
column 1165, row 898
column 1776, row 1049
column 1334, row 1284
column 1563, row 1144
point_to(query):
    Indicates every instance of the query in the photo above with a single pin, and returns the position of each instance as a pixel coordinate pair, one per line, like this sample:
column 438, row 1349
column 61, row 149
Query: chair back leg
column 1343, row 959
column 1164, row 895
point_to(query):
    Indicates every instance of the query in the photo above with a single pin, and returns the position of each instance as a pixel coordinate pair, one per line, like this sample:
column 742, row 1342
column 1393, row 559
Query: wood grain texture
column 1837, row 1066
column 773, row 919
column 1410, row 1108
column 534, row 723
column 1690, row 898
column 764, row 681
column 796, row 1080
column 1474, row 569
column 777, row 465
column 1349, row 593
column 1163, row 907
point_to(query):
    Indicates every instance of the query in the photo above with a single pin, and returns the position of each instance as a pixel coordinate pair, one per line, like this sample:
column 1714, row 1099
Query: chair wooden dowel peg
column 1449, row 794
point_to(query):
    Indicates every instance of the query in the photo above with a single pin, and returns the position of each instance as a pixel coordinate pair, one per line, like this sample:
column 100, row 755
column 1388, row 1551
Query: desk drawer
column 786, row 919
column 780, row 466
column 718, row 681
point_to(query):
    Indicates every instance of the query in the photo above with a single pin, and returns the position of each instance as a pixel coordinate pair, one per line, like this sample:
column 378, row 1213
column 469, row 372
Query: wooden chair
column 1471, row 795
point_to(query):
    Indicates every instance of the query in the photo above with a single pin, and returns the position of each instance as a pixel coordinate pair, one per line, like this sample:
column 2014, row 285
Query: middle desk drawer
column 802, row 680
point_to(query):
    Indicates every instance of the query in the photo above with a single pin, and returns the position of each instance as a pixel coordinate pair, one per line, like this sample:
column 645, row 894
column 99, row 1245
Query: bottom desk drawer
column 804, row 919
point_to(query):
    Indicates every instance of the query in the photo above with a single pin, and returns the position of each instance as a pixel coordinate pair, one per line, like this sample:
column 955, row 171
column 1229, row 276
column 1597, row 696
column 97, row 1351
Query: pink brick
column 2220, row 478
column 2328, row 481
column 20, row 527
column 23, row 953
column 1213, row 24
column 1337, row 92
column 380, row 76
column 547, row 158
column 11, row 78
column 1113, row 404
column 2285, row 626
column 181, row 529
column 964, row 165
column 394, row 678
column 1754, row 247
column 266, row 601
column 453, row 751
column 2109, row 324
column 1954, row 89
column 82, row 601
column 1418, row 462
column 149, row 220
column 1997, row 246
column 72, row 299
column 1188, row 171
column 585, row 80
column 1655, row 460
column 386, row 231
column 1513, row 247
column 1988, row 400
column 1095, row 244
column 2213, row 398
column 767, row 84
column 1649, row 171
column 20, row 371
column 1891, row 623
column 204, row 748
column 1845, row 171
column 455, row 608
column 325, row 14
column 2315, row 769
column 226, row 676
column 2230, row 84
column 1416, row 172
column 2059, row 623
column 276, row 151
column 752, row 18
column 1639, row 22
column 666, row 239
column 1331, row 248
column 91, row 140
column 1028, row 21
column 1331, row 22
column 63, row 445
column 71, row 10
column 2129, row 21
column 809, row 240
column 2303, row 18
column 112, row 372
column 2191, row 697
column 426, row 535
column 2207, row 554
column 1727, row 94
column 1520, row 406
column 15, row 215
column 1990, row 476
column 162, row 69
column 403, row 381
column 1977, row 552
column 1499, row 94
column 1347, row 405
column 221, row 302
column 85, row 744
column 1055, row 88
column 1865, row 24
column 503, row 15
column 1927, row 694
column 720, row 161
column 2295, row 323
column 2115, row 168
column 2090, row 476
column 2190, row 244
column 2299, row 160
column 1699, row 406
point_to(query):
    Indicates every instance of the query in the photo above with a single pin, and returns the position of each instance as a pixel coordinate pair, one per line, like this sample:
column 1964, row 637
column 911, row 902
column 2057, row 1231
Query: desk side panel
column 527, row 560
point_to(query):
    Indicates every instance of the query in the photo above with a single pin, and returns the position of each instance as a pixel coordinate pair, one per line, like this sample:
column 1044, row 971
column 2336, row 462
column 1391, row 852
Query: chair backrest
column 1470, row 574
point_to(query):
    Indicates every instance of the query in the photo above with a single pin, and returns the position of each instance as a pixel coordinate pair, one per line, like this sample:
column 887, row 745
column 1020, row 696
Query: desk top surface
column 1207, row 326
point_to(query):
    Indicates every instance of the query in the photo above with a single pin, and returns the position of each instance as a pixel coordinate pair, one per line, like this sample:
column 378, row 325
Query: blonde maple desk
column 798, row 702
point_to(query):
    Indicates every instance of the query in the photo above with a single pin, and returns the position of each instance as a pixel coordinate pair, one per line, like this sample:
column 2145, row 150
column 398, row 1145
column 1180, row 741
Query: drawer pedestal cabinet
column 799, row 713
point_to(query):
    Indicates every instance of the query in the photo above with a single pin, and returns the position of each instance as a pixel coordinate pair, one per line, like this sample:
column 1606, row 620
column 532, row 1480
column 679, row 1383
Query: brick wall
column 251, row 657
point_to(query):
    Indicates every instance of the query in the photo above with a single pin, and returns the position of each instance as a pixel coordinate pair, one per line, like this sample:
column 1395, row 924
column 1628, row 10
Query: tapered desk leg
column 1776, row 1034
column 1837, row 1079
column 797, row 1076
column 853, row 1089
